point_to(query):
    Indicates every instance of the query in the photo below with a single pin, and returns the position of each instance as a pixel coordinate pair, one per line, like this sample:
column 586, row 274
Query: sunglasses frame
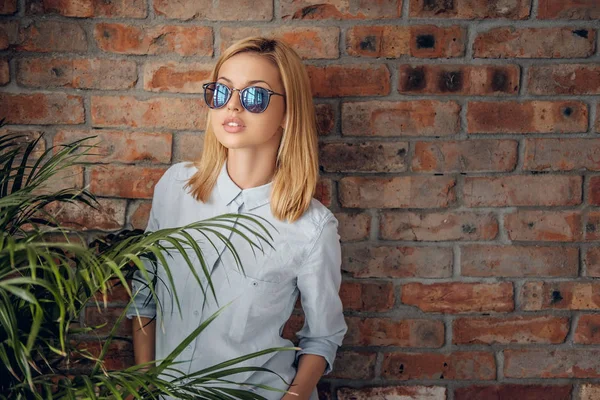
column 240, row 91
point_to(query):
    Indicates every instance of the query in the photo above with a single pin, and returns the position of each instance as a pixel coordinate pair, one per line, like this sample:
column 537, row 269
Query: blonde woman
column 259, row 157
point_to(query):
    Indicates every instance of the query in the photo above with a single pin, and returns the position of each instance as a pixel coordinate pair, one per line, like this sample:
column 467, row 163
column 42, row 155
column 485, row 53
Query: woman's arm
column 144, row 337
column 310, row 370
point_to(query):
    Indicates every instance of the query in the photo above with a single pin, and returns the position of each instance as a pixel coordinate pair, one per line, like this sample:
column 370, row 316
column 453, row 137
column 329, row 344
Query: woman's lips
column 233, row 125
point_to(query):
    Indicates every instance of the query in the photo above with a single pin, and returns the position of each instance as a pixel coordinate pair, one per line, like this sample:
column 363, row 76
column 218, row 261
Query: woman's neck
column 249, row 170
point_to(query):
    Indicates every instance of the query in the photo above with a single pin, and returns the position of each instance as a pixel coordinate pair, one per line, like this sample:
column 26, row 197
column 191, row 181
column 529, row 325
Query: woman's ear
column 284, row 123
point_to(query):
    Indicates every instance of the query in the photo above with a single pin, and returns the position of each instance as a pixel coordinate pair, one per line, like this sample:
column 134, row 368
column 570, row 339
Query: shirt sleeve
column 319, row 285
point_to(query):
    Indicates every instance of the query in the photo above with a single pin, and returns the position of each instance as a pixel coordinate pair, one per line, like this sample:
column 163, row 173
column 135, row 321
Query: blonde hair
column 296, row 170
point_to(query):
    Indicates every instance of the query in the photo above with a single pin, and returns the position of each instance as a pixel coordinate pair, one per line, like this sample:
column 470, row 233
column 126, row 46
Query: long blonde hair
column 296, row 170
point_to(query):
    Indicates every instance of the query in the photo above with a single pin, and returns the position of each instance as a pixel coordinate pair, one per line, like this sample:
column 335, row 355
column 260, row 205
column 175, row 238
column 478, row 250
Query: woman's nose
column 234, row 101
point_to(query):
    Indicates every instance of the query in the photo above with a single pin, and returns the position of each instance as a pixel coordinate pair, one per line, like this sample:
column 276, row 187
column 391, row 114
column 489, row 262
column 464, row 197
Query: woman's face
column 235, row 127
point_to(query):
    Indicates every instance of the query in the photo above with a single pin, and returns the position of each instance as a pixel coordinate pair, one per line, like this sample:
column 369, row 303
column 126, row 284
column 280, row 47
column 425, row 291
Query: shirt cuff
column 320, row 347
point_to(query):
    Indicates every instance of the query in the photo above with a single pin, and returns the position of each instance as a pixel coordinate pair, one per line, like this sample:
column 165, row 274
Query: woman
column 259, row 157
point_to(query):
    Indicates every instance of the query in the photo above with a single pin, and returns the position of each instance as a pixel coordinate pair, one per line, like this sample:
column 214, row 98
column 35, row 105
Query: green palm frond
column 46, row 283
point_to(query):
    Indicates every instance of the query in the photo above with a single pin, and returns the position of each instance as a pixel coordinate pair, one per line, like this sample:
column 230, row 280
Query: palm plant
column 45, row 283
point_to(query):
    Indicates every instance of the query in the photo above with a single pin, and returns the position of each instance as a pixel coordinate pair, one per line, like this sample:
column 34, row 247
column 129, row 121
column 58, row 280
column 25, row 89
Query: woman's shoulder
column 316, row 217
column 174, row 179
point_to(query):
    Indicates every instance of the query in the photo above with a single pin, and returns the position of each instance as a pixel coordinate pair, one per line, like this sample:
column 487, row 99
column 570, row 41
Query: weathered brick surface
column 588, row 329
column 187, row 147
column 522, row 190
column 439, row 366
column 518, row 261
column 394, row 392
column 513, row 391
column 108, row 215
column 349, row 80
column 134, row 182
column 397, row 262
column 562, row 154
column 4, row 72
column 470, row 9
column 569, row 9
column 414, row 118
column 400, row 192
column 534, row 43
column 8, row 7
column 475, row 80
column 402, row 333
column 425, row 41
column 52, row 36
column 458, row 297
column 592, row 261
column 589, row 392
column 541, row 363
column 171, row 76
column 372, row 296
column 465, row 156
column 437, row 226
column 89, row 8
column 309, row 43
column 343, row 9
column 551, row 226
column 39, row 108
column 569, row 79
column 140, row 214
column 354, row 226
column 105, row 317
column 363, row 157
column 354, row 365
column 570, row 295
column 183, row 40
column 77, row 73
column 521, row 330
column 527, row 117
column 261, row 10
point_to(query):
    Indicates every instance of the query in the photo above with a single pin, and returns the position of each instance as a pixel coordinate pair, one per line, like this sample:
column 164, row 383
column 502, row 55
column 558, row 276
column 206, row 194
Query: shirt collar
column 252, row 197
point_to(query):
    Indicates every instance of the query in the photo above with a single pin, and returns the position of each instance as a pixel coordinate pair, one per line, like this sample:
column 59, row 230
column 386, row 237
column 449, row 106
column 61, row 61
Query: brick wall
column 459, row 150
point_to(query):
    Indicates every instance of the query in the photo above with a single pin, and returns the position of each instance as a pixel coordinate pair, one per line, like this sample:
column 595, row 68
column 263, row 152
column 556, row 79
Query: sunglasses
column 253, row 98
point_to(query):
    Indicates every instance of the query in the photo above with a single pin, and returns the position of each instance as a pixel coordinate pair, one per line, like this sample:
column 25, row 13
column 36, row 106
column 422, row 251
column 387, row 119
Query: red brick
column 397, row 262
column 393, row 392
column 107, row 317
column 140, row 214
column 397, row 192
column 459, row 79
column 172, row 76
column 588, row 329
column 354, row 365
column 343, row 9
column 354, row 226
column 121, row 146
column 458, row 365
column 367, row 296
column 161, row 39
column 244, row 10
column 118, row 357
column 410, row 118
column 363, row 157
column 592, row 226
column 442, row 226
column 562, row 154
column 592, row 261
column 509, row 42
column 386, row 332
column 326, row 119
column 9, row 34
column 4, row 72
column 77, row 73
column 551, row 226
column 108, row 215
column 570, row 295
column 527, row 117
column 465, row 156
column 455, row 297
column 293, row 325
column 26, row 136
column 519, row 261
column 187, row 147
column 597, row 126
column 569, row 9
column 589, row 392
column 559, row 79
column 323, row 191
column 349, row 80
column 556, row 363
column 90, row 8
column 68, row 178
column 470, row 9
column 134, row 182
column 155, row 112
column 522, row 190
column 116, row 293
column 513, row 392
column 507, row 330
column 41, row 109
column 8, row 7
column 308, row 42
column 52, row 36
column 427, row 41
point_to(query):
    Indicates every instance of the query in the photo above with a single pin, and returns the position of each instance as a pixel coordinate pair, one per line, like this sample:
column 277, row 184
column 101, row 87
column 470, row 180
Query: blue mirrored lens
column 220, row 96
column 255, row 99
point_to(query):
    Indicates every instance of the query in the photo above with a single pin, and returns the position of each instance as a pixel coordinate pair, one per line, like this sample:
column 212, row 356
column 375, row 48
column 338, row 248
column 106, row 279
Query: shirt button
column 254, row 283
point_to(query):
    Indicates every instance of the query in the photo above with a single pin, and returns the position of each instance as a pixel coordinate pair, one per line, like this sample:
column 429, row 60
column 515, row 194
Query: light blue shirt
column 305, row 261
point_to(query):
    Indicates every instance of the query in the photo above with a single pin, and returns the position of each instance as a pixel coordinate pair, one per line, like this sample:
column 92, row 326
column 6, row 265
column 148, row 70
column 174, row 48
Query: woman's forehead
column 245, row 68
